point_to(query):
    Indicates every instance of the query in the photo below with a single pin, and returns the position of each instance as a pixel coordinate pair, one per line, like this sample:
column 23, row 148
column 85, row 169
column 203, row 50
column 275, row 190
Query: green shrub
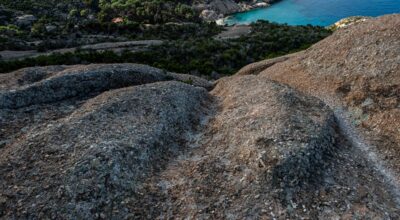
column 73, row 13
column 84, row 13
column 10, row 30
column 199, row 53
column 38, row 29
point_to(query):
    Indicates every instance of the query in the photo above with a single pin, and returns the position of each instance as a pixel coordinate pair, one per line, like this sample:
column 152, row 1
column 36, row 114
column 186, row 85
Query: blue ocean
column 316, row 12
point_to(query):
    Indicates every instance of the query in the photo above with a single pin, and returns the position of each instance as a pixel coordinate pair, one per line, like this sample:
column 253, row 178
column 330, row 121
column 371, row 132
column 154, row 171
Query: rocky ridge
column 356, row 69
column 309, row 135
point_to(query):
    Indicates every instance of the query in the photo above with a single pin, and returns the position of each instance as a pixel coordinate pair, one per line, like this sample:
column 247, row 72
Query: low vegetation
column 199, row 53
column 70, row 19
column 150, row 11
column 190, row 46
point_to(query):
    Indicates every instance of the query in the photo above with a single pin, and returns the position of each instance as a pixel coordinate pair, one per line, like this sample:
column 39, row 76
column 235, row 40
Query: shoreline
column 342, row 23
column 233, row 19
column 245, row 7
column 219, row 13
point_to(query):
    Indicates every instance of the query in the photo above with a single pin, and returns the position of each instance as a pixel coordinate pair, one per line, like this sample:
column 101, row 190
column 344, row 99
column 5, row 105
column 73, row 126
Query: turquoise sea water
column 316, row 12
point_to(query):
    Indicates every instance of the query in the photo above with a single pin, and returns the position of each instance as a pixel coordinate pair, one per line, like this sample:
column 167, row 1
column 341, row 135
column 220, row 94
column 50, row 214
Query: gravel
column 91, row 162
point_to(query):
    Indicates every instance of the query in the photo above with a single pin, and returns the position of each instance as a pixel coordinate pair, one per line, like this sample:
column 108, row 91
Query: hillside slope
column 358, row 70
column 311, row 135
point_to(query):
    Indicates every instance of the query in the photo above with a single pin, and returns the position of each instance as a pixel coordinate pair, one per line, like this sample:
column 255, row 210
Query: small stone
column 367, row 102
column 51, row 28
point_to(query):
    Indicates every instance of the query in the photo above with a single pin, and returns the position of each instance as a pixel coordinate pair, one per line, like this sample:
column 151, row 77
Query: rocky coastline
column 217, row 10
column 346, row 22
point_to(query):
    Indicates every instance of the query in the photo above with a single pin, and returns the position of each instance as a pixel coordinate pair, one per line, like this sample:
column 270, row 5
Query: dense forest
column 190, row 44
column 60, row 23
column 149, row 11
column 198, row 54
column 153, row 11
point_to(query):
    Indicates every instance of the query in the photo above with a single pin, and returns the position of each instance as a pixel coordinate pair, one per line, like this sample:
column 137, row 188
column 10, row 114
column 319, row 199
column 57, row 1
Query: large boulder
column 72, row 81
column 357, row 72
column 25, row 20
column 209, row 15
column 90, row 161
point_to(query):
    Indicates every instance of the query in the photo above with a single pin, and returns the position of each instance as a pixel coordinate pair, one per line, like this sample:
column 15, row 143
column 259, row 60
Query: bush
column 38, row 29
column 73, row 13
column 84, row 13
column 10, row 30
column 198, row 51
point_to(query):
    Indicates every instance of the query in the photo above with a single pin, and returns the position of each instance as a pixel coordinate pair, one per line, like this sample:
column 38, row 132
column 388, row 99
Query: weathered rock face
column 132, row 141
column 357, row 69
column 77, row 80
column 251, row 152
column 90, row 160
column 267, row 152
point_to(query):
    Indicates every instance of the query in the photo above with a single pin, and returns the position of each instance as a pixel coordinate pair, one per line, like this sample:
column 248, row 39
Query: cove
column 315, row 12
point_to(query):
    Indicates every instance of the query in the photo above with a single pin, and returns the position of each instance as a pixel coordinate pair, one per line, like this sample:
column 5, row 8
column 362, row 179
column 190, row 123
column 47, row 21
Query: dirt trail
column 369, row 153
column 112, row 46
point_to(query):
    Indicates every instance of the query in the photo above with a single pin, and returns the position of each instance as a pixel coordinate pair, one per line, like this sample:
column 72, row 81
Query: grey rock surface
column 50, row 86
column 356, row 69
column 92, row 162
column 209, row 15
column 50, row 28
column 129, row 141
column 25, row 20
